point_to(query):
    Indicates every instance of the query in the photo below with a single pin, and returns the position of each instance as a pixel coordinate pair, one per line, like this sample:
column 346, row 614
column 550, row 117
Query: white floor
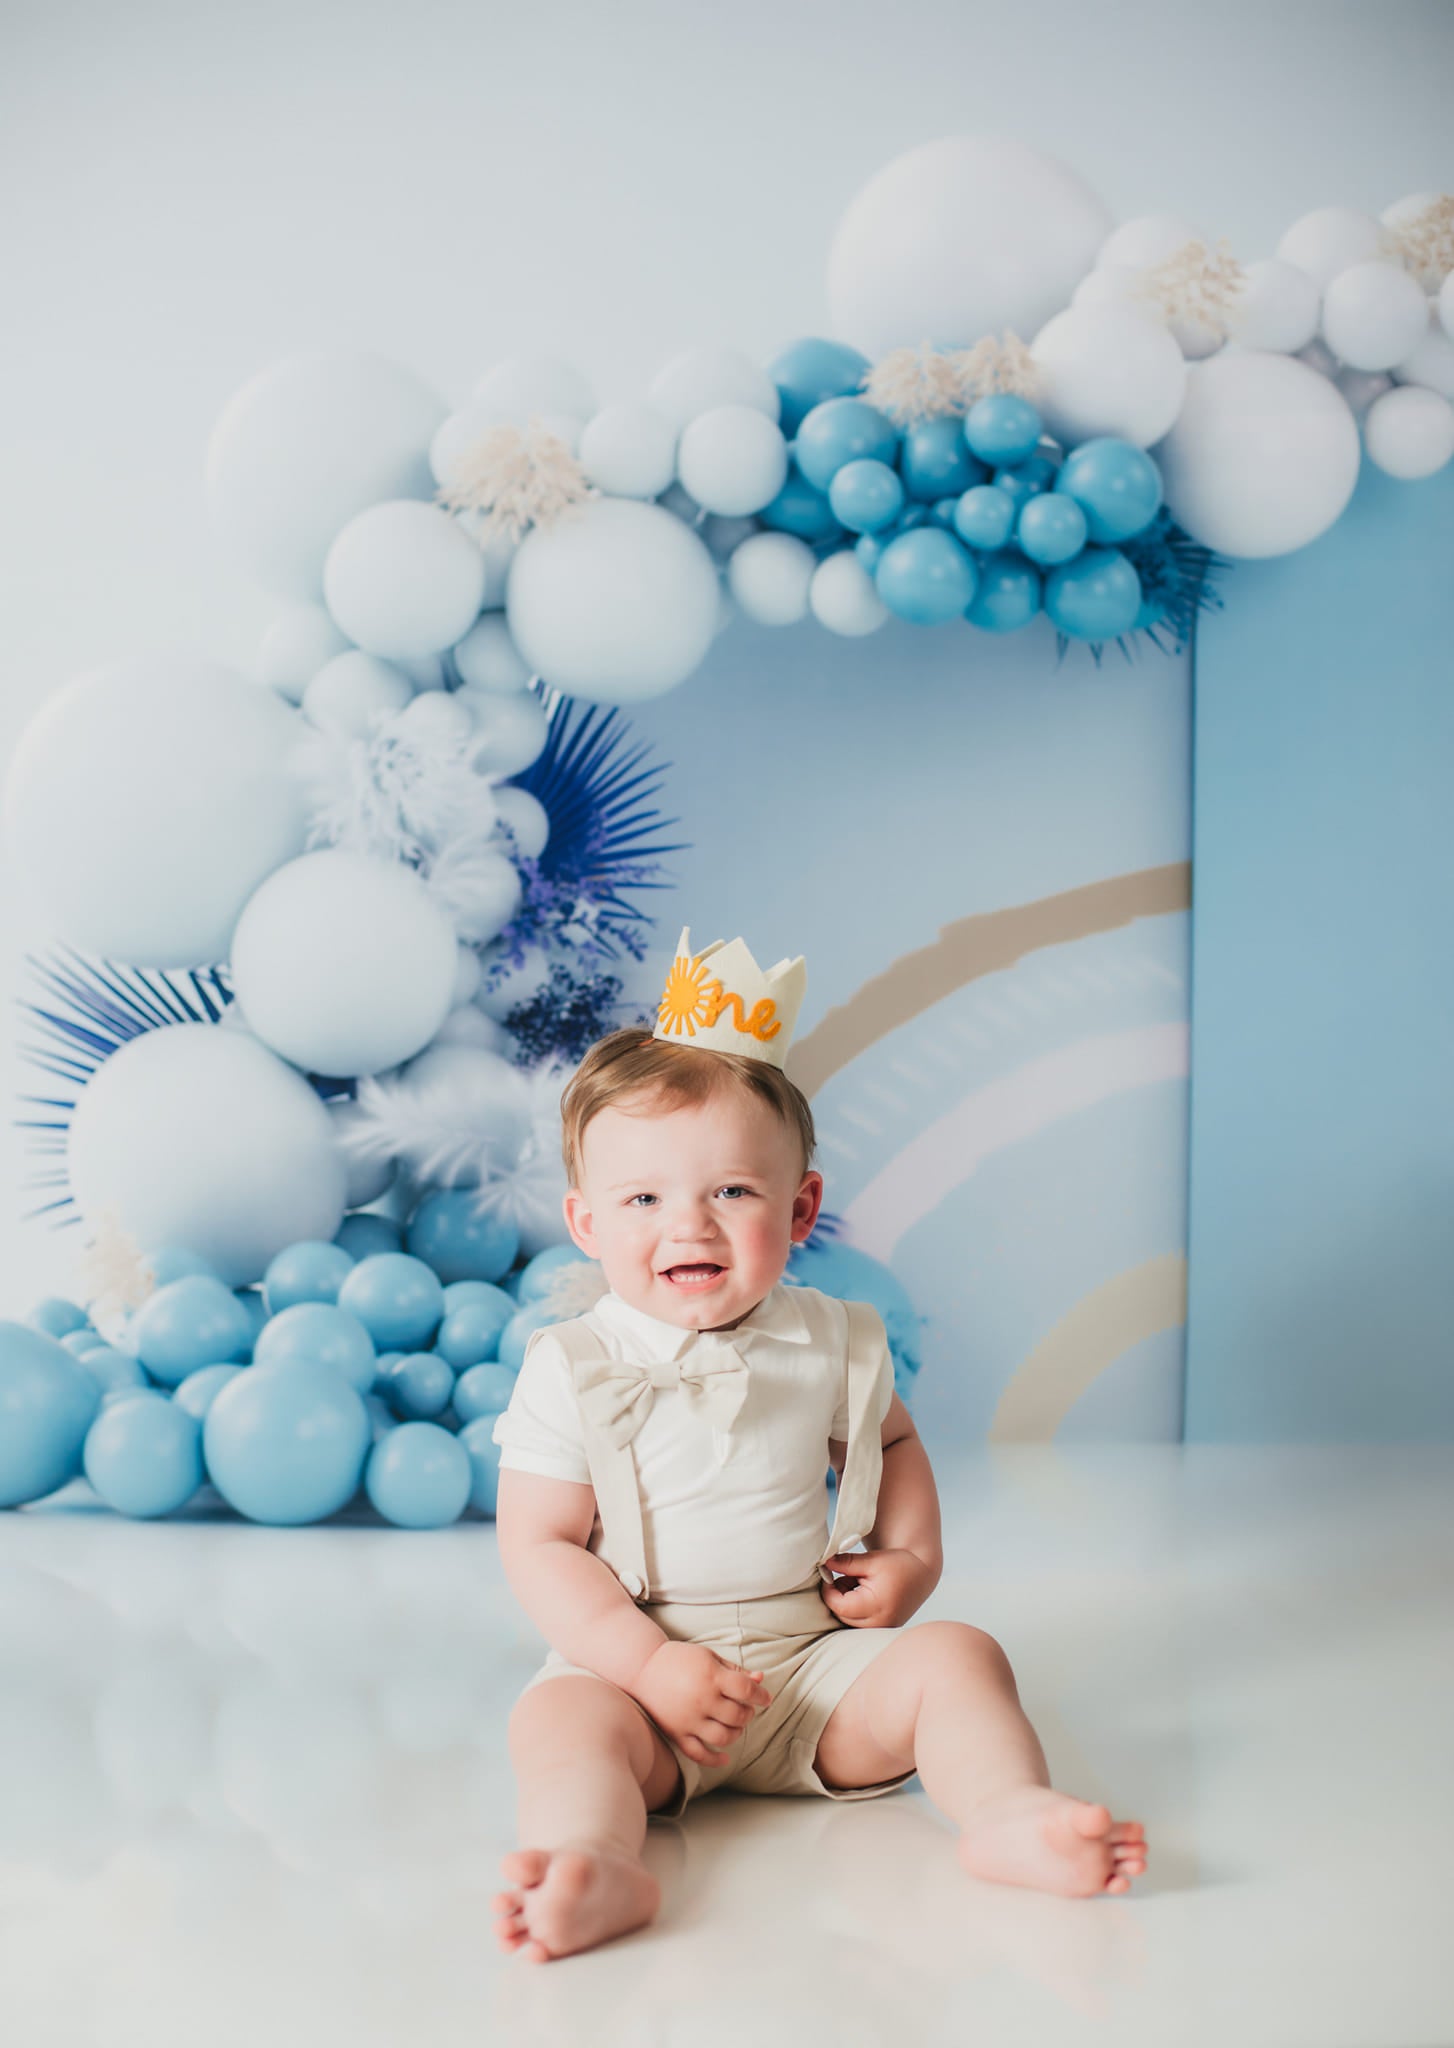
column 254, row 1790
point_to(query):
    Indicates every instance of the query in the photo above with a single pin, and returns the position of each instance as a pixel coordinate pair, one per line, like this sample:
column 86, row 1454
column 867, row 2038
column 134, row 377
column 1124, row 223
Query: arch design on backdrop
column 1122, row 1312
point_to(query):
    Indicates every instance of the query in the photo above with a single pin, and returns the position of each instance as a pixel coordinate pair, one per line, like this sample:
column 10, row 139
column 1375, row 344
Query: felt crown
column 722, row 1000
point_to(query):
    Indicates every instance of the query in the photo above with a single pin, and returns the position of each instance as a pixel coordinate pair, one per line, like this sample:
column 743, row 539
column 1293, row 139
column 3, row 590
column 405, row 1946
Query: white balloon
column 1113, row 284
column 1277, row 308
column 488, row 659
column 616, row 604
column 460, row 435
column 679, row 501
column 482, row 1087
column 344, row 964
column 722, row 536
column 527, row 818
column 1331, row 238
column 404, row 579
column 295, row 647
column 1409, row 432
column 1263, row 457
column 437, row 719
column 1149, row 238
column 478, row 885
column 535, row 384
column 1108, row 370
column 146, row 801
column 1446, row 305
column 960, row 238
column 770, row 577
column 843, row 596
column 307, row 444
column 351, row 691
column 202, row 1137
column 1374, row 314
column 497, row 552
column 465, row 1025
column 733, row 460
column 1361, row 387
column 703, row 378
column 1431, row 361
column 511, row 731
column 367, row 1178
column 425, row 671
column 1318, row 356
column 629, row 450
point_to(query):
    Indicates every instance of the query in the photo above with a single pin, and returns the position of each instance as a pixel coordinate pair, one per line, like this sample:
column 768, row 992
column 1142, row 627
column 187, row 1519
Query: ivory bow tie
column 617, row 1394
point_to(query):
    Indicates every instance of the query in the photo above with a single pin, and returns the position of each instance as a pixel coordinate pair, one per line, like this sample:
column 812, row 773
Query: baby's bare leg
column 588, row 1768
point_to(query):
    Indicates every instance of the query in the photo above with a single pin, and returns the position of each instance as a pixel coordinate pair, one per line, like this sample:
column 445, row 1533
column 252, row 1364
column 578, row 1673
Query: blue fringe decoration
column 1175, row 571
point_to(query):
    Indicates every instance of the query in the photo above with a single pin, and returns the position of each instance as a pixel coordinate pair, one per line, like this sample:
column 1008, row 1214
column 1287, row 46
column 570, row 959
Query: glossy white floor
column 254, row 1789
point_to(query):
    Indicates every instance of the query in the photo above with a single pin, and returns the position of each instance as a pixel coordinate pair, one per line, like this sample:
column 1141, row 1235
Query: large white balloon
column 1374, row 314
column 367, row 1178
column 733, row 460
column 844, row 598
column 615, row 603
column 1149, row 238
column 1331, row 238
column 958, row 239
column 295, row 647
column 488, row 659
column 1108, row 369
column 146, row 801
column 404, row 579
column 1277, row 308
column 202, row 1137
column 523, row 385
column 630, row 451
column 770, row 576
column 344, row 964
column 307, row 444
column 702, row 378
column 1263, row 457
column 1409, row 432
column 527, row 818
column 351, row 691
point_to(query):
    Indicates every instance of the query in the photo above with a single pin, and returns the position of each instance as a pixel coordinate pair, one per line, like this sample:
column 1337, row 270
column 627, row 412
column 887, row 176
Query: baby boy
column 661, row 1511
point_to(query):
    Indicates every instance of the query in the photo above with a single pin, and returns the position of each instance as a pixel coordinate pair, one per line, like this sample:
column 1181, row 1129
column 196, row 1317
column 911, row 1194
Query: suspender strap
column 863, row 1467
column 613, row 1468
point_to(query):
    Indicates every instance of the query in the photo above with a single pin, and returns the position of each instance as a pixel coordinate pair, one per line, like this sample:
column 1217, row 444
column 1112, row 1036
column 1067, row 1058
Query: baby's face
column 692, row 1211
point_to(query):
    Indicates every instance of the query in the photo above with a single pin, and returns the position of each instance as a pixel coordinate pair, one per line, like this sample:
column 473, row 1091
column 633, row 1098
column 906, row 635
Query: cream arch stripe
column 1046, row 1385
column 972, row 947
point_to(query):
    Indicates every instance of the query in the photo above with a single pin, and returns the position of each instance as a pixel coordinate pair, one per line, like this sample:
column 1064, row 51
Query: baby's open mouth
column 692, row 1276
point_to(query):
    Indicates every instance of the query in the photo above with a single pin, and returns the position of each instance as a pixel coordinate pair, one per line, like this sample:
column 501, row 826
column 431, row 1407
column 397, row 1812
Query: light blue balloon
column 77, row 1342
column 476, row 1440
column 811, row 370
column 1022, row 481
column 483, row 1390
column 853, row 1275
column 1095, row 597
column 519, row 1330
column 398, row 1299
column 111, row 1368
column 537, row 1277
column 319, row 1333
column 470, row 1333
column 1051, row 529
column 47, row 1403
column 364, row 1234
column 448, row 1232
column 866, row 495
column 842, row 430
column 985, row 517
column 309, row 1270
column 801, row 509
column 1116, row 485
column 1003, row 428
column 194, row 1321
column 200, row 1389
column 57, row 1317
column 869, row 550
column 925, row 577
column 144, row 1456
column 287, row 1447
column 913, row 515
column 1008, row 596
column 178, row 1262
column 418, row 1477
column 254, row 1307
column 935, row 463
column 942, row 511
column 419, row 1385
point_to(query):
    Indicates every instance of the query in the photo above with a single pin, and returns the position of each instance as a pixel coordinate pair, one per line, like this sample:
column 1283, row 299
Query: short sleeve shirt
column 753, row 1525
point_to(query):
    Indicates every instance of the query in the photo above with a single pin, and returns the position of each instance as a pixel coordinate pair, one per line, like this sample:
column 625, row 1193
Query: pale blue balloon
column 418, row 1477
column 1116, row 485
column 418, row 1385
column 398, row 1299
column 942, row 511
column 866, row 495
column 519, row 1330
column 47, row 1403
column 363, row 1234
column 483, row 1390
column 476, row 1439
column 254, row 1307
column 307, row 1271
column 537, row 1276
column 1095, row 597
column 318, row 1333
column 194, row 1321
column 287, row 1447
column 79, row 1341
column 449, row 1233
column 842, row 430
column 200, row 1389
column 913, row 515
column 1051, row 529
column 1025, row 479
column 985, row 517
column 811, row 370
column 935, row 463
column 1003, row 428
column 470, row 1333
column 1008, row 596
column 144, row 1456
column 111, row 1369
column 869, row 550
column 56, row 1317
column 801, row 509
column 926, row 577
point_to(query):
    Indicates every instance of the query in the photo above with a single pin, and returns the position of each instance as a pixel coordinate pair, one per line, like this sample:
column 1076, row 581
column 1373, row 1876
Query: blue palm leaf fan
column 1177, row 586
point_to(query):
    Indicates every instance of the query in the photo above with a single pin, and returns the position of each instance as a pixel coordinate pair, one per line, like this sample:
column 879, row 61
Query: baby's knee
column 959, row 1643
column 570, row 1714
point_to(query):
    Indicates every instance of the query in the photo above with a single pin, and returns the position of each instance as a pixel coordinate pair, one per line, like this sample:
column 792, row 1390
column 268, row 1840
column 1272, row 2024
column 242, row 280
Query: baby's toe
column 525, row 1866
column 1090, row 1820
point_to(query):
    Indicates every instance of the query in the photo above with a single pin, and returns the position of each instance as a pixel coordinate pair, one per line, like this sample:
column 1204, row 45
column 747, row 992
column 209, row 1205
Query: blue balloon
column 1095, row 597
column 538, row 1275
column 925, row 576
column 1116, row 485
column 477, row 1441
column 483, row 1390
column 190, row 1322
column 913, row 515
column 935, row 463
column 177, row 1262
column 254, row 1307
column 144, row 1456
column 811, row 370
column 985, row 517
column 853, row 1275
column 318, row 1333
column 200, row 1389
column 287, row 1447
column 78, row 1342
column 1036, row 473
column 1003, row 428
column 48, row 1401
column 418, row 1477
column 418, row 1385
column 842, row 430
column 1008, row 596
column 309, row 1270
column 363, row 1234
column 470, row 1333
column 942, row 511
column 449, row 1233
column 398, row 1300
column 801, row 509
column 866, row 495
column 869, row 550
column 1051, row 528
column 111, row 1369
column 519, row 1330
column 56, row 1317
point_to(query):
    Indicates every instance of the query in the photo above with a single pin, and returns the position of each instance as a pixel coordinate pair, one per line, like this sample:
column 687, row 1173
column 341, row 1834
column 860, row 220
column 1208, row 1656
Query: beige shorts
column 808, row 1660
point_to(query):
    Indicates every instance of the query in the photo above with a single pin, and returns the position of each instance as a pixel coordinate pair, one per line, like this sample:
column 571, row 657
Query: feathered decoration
column 515, row 478
column 990, row 366
column 401, row 794
column 1197, row 284
column 574, row 1287
column 914, row 384
column 1425, row 243
column 115, row 1278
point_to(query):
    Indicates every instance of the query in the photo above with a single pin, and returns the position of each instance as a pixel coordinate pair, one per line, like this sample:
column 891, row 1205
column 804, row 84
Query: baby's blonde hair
column 628, row 1064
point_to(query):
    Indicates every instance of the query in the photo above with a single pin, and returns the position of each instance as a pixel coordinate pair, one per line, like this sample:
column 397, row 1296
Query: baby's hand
column 701, row 1700
column 888, row 1586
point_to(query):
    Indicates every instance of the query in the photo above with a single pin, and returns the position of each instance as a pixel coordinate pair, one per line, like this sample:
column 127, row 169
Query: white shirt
column 755, row 1525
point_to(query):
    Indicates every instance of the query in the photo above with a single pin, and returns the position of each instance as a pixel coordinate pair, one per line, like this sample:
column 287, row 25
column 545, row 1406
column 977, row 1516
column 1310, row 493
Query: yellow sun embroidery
column 689, row 998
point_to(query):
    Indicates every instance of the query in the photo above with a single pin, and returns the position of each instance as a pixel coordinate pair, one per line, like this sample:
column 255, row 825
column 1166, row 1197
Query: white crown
column 721, row 999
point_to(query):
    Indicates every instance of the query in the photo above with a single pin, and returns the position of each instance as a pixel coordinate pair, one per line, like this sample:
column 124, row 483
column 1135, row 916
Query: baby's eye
column 734, row 1190
column 634, row 1199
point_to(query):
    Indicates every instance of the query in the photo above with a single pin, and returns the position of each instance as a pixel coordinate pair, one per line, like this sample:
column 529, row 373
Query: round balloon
column 470, row 1332
column 488, row 659
column 404, row 579
column 1108, row 369
column 397, row 1298
column 1008, row 594
column 926, row 576
column 1095, row 597
column 510, row 731
column 811, row 370
column 1116, row 486
column 287, row 1446
column 318, row 1333
column 348, row 693
column 418, row 1477
column 483, row 1390
column 702, row 378
column 188, row 1323
column 448, row 1232
column 770, row 576
column 144, row 1456
column 47, row 1403
column 732, row 459
column 477, row 1439
column 1277, row 307
column 839, row 431
column 844, row 598
column 1373, row 315
column 1409, row 432
column 630, row 451
column 295, row 647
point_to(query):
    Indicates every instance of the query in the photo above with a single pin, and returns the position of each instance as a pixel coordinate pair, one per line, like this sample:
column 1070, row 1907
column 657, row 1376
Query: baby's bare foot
column 570, row 1898
column 1036, row 1836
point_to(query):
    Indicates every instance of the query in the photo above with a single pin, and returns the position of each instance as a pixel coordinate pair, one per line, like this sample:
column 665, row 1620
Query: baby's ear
column 578, row 1222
